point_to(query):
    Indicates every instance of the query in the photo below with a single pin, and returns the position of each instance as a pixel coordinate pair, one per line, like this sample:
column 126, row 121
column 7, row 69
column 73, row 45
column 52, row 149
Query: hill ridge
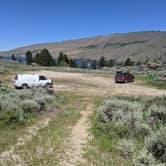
column 120, row 46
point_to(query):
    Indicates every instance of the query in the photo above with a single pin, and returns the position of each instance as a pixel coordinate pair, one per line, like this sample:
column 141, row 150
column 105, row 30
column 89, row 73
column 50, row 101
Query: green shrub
column 156, row 115
column 15, row 105
column 126, row 148
column 144, row 159
column 122, row 113
column 156, row 144
column 28, row 106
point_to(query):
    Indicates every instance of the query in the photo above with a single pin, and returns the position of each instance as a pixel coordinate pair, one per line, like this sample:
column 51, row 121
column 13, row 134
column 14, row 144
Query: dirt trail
column 74, row 145
column 10, row 156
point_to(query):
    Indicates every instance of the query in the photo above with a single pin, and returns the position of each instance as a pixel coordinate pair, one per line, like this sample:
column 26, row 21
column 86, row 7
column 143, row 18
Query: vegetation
column 29, row 57
column 123, row 44
column 44, row 148
column 44, row 58
column 102, row 62
column 23, row 104
column 72, row 63
column 46, row 145
column 130, row 128
column 154, row 79
column 13, row 57
column 128, row 62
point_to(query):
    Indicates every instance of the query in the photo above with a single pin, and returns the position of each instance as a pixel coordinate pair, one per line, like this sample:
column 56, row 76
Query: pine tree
column 72, row 63
column 128, row 62
column 65, row 58
column 44, row 58
column 37, row 58
column 146, row 61
column 138, row 63
column 29, row 57
column 13, row 57
column 94, row 64
column 111, row 63
column 60, row 58
column 102, row 61
column 83, row 65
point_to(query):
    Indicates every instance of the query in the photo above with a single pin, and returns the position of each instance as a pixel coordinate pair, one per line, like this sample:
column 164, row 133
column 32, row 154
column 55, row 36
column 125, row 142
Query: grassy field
column 117, row 130
column 149, row 81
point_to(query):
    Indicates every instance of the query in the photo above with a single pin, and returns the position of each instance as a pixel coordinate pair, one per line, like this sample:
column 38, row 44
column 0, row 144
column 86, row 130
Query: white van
column 29, row 80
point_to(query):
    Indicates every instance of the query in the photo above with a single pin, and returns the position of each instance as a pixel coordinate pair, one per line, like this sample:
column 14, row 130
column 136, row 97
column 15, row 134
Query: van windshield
column 42, row 78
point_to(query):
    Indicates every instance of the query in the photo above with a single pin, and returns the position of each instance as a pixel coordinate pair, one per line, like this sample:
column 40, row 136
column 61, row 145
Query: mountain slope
column 136, row 45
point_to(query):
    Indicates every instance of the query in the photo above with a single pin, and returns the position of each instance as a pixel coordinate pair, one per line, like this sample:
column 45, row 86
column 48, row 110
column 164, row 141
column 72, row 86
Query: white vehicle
column 29, row 80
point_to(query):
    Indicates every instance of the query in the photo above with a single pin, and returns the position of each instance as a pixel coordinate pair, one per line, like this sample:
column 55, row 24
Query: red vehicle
column 124, row 77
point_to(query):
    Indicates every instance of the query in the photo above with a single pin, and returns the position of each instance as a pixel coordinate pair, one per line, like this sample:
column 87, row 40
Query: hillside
column 136, row 45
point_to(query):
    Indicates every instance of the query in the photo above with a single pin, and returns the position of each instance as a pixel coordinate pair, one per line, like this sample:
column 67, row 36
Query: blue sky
column 25, row 22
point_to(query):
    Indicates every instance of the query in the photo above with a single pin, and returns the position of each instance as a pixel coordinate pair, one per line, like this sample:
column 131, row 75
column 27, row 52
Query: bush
column 156, row 115
column 28, row 106
column 135, row 127
column 15, row 105
column 124, row 113
column 156, row 144
column 126, row 148
column 145, row 159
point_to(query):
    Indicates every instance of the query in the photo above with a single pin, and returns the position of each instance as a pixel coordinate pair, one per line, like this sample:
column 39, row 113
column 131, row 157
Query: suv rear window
column 120, row 73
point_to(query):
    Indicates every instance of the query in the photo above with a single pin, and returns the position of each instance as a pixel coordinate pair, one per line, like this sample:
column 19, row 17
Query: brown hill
column 136, row 45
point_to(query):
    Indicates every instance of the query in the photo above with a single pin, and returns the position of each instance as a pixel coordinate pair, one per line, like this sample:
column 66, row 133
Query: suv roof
column 122, row 72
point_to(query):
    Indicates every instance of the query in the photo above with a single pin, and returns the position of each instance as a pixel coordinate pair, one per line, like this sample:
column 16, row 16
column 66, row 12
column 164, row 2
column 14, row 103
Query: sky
column 26, row 22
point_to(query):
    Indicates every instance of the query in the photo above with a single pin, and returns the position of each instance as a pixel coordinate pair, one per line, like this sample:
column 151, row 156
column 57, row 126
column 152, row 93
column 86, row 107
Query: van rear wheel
column 24, row 86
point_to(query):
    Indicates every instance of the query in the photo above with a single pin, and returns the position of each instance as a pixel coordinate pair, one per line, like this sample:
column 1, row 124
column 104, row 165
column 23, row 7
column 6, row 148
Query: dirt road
column 97, row 85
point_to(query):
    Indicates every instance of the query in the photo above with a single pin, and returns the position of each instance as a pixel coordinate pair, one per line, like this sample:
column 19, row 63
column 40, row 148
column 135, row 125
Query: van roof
column 28, row 74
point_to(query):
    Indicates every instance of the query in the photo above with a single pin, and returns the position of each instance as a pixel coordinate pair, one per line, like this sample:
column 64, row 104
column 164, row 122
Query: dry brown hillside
column 136, row 45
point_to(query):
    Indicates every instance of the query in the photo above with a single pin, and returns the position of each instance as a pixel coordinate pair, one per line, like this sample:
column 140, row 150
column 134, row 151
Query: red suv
column 124, row 77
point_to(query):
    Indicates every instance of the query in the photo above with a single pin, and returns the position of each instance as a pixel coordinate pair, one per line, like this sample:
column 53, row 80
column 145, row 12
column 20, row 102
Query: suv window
column 42, row 78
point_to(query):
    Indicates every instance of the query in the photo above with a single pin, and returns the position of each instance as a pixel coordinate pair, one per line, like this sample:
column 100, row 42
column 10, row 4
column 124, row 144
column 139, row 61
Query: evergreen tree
column 102, row 61
column 94, row 64
column 146, row 61
column 29, row 57
column 65, row 58
column 13, row 57
column 60, row 58
column 83, row 65
column 72, row 63
column 138, row 63
column 36, row 58
column 128, row 62
column 44, row 58
column 111, row 63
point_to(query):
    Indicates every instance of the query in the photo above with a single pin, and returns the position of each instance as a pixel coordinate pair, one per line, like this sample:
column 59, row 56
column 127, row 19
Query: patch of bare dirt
column 96, row 85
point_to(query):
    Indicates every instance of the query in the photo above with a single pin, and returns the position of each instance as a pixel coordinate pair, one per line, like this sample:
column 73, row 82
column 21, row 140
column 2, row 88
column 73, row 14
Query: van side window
column 42, row 78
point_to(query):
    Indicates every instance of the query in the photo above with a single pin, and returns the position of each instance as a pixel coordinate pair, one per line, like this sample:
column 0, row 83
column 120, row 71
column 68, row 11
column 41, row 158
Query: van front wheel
column 24, row 86
column 47, row 86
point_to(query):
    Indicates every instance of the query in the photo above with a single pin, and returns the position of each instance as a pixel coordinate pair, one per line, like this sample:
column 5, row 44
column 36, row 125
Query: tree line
column 44, row 58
